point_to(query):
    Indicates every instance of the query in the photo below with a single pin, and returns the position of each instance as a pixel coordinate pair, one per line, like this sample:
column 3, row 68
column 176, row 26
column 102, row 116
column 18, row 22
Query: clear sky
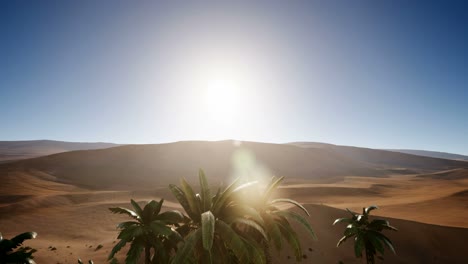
column 380, row 74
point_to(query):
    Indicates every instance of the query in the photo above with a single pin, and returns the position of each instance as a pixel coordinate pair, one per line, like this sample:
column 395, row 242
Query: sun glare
column 222, row 99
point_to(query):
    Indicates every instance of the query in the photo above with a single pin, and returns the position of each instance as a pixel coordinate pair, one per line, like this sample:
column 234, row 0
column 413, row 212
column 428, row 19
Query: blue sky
column 379, row 74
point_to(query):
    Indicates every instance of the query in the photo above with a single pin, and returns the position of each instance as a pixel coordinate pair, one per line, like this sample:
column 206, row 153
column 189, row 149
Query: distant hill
column 433, row 154
column 161, row 164
column 13, row 150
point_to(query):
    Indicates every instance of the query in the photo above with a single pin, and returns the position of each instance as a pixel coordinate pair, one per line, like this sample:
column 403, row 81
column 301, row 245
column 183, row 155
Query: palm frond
column 117, row 248
column 232, row 240
column 181, row 197
column 343, row 239
column 370, row 208
column 299, row 219
column 339, row 220
column 385, row 239
column 121, row 210
column 208, row 229
column 358, row 245
column 170, row 217
column 149, row 211
column 292, row 238
column 186, row 251
column 131, row 232
column 19, row 239
column 291, row 202
column 190, row 196
column 251, row 224
column 221, row 197
column 275, row 182
column 127, row 224
column 248, row 212
column 136, row 207
column 133, row 254
column 375, row 242
column 273, row 231
column 160, row 228
column 205, row 191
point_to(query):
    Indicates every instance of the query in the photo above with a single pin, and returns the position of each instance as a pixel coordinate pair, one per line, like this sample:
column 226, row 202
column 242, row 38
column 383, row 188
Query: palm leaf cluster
column 227, row 226
column 367, row 234
column 276, row 221
column 12, row 252
column 218, row 227
column 149, row 231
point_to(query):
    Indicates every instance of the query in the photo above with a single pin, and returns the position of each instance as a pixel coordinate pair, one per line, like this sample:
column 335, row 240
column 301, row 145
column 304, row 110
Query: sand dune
column 161, row 164
column 14, row 150
column 64, row 197
column 434, row 154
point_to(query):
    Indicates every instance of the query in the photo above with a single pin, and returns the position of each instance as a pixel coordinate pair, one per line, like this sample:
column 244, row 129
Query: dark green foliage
column 11, row 252
column 275, row 221
column 227, row 228
column 214, row 228
column 367, row 234
column 150, row 232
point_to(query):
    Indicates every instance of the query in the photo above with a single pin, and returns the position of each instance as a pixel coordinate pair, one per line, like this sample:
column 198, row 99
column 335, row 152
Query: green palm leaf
column 160, row 228
column 291, row 202
column 339, row 220
column 247, row 212
column 205, row 191
column 208, row 229
column 19, row 239
column 343, row 239
column 376, row 242
column 299, row 219
column 221, row 198
column 256, row 253
column 127, row 224
column 121, row 210
column 292, row 239
column 370, row 208
column 271, row 188
column 358, row 245
column 117, row 248
column 170, row 217
column 273, row 231
column 385, row 239
column 251, row 224
column 232, row 240
column 148, row 211
column 131, row 232
column 186, row 251
column 133, row 254
column 380, row 224
column 137, row 208
column 190, row 196
column 181, row 197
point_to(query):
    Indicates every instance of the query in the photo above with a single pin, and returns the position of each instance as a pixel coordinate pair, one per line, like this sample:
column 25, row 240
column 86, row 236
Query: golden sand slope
column 65, row 197
column 76, row 220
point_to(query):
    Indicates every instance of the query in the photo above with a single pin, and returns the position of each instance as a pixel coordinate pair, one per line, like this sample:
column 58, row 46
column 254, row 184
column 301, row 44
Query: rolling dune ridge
column 64, row 197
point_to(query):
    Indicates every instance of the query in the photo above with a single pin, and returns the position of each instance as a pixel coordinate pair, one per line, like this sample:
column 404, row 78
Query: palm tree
column 214, row 227
column 22, row 255
column 368, row 234
column 149, row 229
column 276, row 221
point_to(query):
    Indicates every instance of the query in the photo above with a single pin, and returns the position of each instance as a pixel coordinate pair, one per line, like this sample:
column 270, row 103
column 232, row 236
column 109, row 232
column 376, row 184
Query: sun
column 222, row 99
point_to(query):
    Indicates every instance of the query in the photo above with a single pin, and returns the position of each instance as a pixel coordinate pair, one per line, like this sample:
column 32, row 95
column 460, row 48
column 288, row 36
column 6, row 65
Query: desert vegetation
column 367, row 234
column 239, row 223
column 12, row 251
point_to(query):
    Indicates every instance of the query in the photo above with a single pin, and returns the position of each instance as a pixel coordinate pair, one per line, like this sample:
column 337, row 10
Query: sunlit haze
column 380, row 74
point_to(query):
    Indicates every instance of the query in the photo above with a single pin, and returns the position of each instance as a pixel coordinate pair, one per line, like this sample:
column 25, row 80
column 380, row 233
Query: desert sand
column 64, row 197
